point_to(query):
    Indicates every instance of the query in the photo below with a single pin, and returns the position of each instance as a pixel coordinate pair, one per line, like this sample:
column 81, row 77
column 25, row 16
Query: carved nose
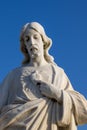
column 32, row 42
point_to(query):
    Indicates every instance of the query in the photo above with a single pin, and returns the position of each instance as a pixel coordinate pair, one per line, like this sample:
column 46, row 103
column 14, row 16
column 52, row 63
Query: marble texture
column 38, row 95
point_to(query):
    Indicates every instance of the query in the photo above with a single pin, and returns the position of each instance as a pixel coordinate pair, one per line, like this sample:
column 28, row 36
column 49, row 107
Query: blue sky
column 65, row 22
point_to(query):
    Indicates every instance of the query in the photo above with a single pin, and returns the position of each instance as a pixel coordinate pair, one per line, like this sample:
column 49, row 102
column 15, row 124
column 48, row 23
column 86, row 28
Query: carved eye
column 36, row 37
column 27, row 38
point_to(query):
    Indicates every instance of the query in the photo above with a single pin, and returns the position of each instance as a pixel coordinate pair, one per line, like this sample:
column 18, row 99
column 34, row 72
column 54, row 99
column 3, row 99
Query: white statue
column 38, row 95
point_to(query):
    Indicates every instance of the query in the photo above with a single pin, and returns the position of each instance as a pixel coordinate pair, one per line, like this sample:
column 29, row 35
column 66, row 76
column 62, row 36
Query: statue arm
column 50, row 91
column 73, row 102
column 55, row 90
column 4, row 88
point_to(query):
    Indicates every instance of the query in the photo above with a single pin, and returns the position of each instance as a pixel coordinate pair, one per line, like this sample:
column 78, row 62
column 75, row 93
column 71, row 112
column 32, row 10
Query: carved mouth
column 33, row 48
column 38, row 84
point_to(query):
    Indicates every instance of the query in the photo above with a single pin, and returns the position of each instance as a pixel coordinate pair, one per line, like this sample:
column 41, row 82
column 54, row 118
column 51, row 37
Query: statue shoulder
column 12, row 74
column 58, row 68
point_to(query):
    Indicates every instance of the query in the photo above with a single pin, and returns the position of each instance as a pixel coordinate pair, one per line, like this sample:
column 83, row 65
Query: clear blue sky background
column 65, row 21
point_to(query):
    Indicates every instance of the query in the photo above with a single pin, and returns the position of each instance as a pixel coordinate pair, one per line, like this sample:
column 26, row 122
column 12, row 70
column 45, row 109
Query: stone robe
column 23, row 107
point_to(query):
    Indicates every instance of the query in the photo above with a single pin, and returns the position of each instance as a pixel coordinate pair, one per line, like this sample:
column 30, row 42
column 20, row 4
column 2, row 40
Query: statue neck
column 38, row 62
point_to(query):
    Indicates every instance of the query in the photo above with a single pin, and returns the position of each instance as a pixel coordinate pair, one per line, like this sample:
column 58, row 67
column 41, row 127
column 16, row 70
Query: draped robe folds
column 27, row 109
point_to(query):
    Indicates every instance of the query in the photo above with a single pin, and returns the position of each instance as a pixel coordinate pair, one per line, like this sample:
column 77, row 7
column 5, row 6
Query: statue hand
column 50, row 91
column 35, row 77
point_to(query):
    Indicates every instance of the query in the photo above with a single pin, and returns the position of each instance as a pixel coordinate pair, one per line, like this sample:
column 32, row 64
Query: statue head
column 47, row 42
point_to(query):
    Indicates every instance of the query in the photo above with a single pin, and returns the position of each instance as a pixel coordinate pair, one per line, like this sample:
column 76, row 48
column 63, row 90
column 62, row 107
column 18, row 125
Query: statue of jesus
column 38, row 95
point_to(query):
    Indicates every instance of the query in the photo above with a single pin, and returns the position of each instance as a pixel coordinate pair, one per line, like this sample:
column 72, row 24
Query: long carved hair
column 47, row 42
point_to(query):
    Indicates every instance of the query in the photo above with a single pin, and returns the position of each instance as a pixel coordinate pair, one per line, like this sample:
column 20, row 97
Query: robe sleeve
column 79, row 107
column 4, row 88
column 73, row 103
column 79, row 104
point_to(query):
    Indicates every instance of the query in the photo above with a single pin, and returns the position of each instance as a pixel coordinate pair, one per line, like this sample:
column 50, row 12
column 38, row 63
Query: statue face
column 33, row 42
